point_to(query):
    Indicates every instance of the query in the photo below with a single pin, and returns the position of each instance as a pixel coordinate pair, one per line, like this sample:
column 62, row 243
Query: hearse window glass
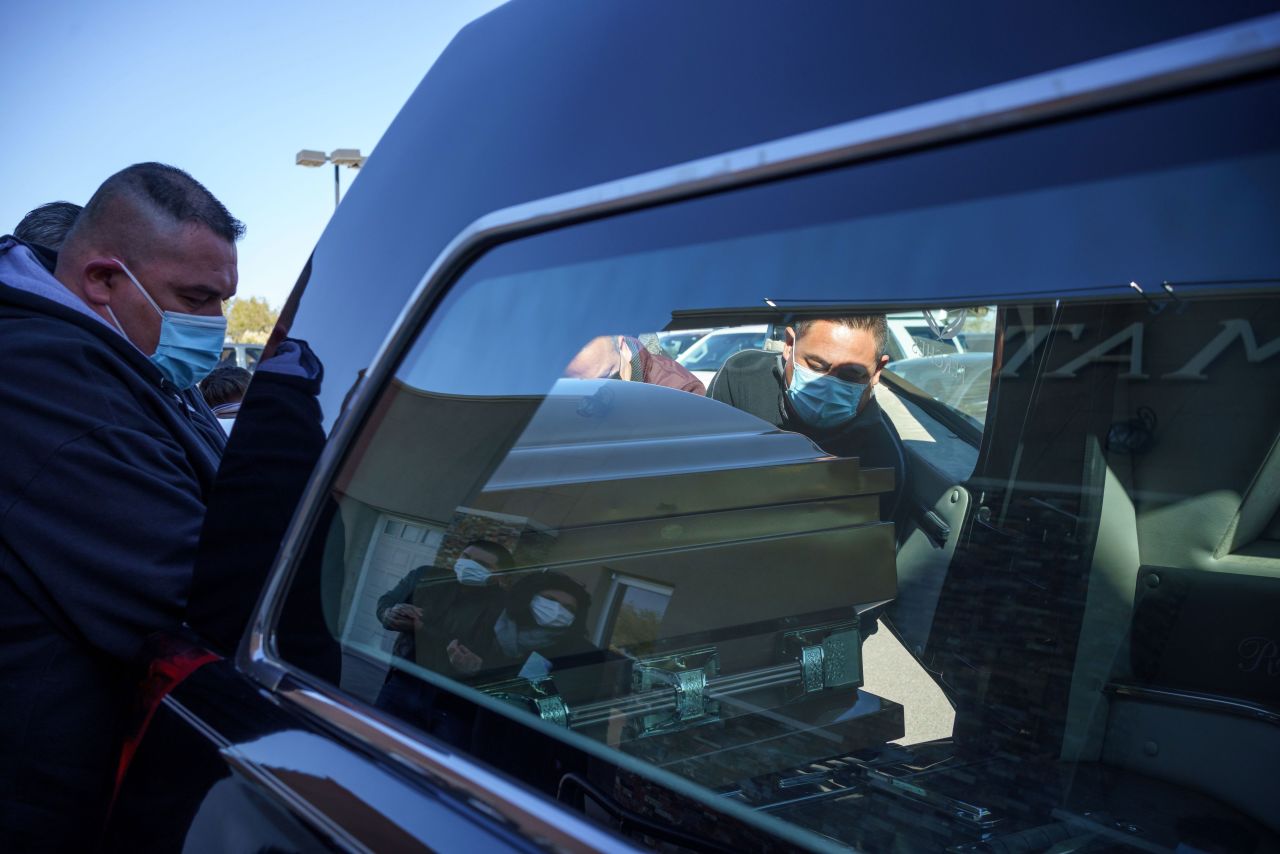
column 823, row 611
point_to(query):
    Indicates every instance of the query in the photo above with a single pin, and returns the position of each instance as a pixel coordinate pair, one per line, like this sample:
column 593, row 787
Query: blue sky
column 229, row 91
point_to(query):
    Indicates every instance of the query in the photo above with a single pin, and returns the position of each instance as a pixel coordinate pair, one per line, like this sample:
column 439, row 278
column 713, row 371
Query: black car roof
column 544, row 96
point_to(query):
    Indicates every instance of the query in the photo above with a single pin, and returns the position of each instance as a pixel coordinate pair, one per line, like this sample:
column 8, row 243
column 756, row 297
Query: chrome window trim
column 281, row 793
column 1194, row 700
column 1155, row 70
column 558, row 829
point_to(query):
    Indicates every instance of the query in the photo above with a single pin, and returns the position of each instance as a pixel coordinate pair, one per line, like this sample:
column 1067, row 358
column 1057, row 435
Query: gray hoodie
column 21, row 269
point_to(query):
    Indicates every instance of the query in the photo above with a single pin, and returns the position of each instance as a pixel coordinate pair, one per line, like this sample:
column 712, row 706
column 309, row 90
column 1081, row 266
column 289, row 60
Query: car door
column 727, row 578
column 220, row 767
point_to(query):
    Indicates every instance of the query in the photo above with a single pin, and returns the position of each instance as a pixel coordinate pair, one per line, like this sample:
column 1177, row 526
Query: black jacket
column 104, row 473
column 450, row 611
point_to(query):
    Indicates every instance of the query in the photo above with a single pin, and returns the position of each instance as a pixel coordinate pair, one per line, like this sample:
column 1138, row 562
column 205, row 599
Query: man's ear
column 788, row 342
column 97, row 277
column 875, row 378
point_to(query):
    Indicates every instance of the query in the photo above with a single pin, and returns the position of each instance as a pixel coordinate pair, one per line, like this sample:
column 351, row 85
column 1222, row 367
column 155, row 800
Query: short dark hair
column 225, row 384
column 48, row 224
column 169, row 190
column 499, row 551
column 876, row 324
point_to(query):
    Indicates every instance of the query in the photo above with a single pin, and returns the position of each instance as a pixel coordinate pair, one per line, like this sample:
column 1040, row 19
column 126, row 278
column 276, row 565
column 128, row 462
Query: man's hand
column 463, row 660
column 402, row 618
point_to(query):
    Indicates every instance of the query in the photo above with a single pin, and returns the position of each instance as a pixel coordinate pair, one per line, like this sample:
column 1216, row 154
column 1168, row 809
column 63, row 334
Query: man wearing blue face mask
column 823, row 386
column 107, row 461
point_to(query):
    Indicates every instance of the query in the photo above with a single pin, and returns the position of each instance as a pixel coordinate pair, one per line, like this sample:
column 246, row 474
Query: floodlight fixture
column 309, row 157
column 339, row 157
column 346, row 157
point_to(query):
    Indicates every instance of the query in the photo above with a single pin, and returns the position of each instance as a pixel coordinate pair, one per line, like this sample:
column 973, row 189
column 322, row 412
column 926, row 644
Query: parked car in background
column 241, row 355
column 675, row 342
column 712, row 350
column 1055, row 632
column 962, row 381
column 917, row 333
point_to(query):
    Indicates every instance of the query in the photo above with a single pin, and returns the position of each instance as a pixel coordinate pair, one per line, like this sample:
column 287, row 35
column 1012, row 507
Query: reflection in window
column 733, row 566
column 727, row 573
column 634, row 610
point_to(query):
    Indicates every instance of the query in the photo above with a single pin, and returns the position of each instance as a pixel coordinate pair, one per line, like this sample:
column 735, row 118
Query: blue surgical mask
column 471, row 573
column 821, row 400
column 190, row 344
column 549, row 613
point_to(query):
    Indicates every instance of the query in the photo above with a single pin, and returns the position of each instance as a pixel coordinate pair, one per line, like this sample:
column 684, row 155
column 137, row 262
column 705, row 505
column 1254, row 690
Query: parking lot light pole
column 339, row 157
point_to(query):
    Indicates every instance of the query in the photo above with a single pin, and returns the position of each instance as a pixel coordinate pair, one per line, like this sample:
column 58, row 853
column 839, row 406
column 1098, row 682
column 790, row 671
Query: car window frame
column 1163, row 69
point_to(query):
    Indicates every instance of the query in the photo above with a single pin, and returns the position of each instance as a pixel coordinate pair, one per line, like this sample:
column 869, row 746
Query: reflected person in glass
column 621, row 357
column 433, row 606
column 543, row 621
